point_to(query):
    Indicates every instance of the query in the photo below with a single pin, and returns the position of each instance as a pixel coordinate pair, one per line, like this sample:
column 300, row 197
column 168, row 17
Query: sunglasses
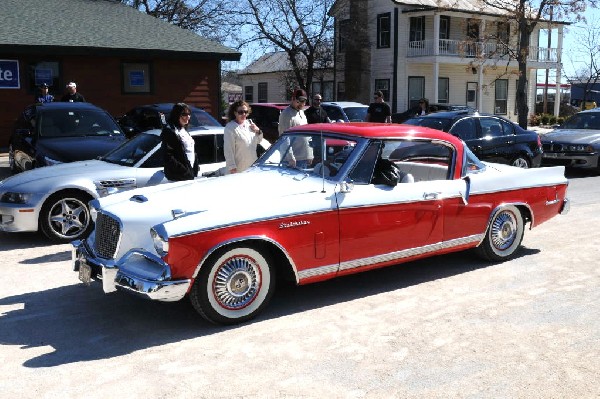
column 242, row 112
column 185, row 114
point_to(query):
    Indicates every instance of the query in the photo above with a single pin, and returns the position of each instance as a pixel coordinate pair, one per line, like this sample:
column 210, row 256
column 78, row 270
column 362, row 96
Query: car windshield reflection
column 310, row 153
column 132, row 151
column 69, row 123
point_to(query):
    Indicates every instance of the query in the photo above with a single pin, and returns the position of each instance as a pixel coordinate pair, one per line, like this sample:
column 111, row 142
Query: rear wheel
column 234, row 285
column 504, row 235
column 521, row 162
column 65, row 216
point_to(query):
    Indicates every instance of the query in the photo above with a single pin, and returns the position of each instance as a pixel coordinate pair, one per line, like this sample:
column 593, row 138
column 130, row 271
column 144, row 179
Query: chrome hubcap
column 503, row 231
column 69, row 217
column 237, row 282
column 521, row 163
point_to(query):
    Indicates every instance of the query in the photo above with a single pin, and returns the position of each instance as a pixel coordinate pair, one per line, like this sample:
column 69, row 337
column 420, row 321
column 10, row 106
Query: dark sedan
column 491, row 138
column 153, row 116
column 576, row 143
column 53, row 133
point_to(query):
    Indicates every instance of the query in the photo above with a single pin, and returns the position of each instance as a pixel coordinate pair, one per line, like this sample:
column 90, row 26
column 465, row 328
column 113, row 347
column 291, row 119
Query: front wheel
column 234, row 285
column 65, row 216
column 504, row 235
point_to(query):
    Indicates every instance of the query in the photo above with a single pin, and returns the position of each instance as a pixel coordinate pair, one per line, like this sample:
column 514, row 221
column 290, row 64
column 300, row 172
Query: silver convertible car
column 55, row 199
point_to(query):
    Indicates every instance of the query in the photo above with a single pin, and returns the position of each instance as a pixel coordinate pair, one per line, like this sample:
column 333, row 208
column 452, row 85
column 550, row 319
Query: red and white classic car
column 372, row 195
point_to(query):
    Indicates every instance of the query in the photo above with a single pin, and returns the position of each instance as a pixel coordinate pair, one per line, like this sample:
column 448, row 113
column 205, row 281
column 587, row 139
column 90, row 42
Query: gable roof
column 276, row 61
column 98, row 27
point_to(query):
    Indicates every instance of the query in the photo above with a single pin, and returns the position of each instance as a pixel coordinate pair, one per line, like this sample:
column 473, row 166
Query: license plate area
column 85, row 273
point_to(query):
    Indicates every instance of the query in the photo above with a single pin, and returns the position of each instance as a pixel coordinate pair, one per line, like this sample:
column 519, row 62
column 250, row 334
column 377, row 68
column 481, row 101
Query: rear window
column 433, row 123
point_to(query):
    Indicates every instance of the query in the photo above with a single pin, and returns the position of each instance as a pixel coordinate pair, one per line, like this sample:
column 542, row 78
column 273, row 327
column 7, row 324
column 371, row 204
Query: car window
column 422, row 160
column 583, row 121
column 69, row 122
column 132, row 151
column 508, row 127
column 202, row 118
column 491, row 127
column 363, row 171
column 433, row 123
column 465, row 128
column 334, row 113
column 356, row 114
column 209, row 148
column 472, row 163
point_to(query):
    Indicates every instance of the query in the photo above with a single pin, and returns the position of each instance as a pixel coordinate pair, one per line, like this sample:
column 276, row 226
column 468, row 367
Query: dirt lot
column 450, row 326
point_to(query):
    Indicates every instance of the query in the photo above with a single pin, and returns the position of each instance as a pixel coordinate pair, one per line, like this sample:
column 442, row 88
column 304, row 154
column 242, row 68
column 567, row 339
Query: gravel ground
column 450, row 326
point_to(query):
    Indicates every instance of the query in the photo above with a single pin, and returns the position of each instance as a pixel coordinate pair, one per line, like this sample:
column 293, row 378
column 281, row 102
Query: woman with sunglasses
column 241, row 137
column 181, row 162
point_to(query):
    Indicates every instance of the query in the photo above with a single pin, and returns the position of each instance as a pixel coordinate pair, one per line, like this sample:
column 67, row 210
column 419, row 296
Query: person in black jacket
column 315, row 113
column 181, row 161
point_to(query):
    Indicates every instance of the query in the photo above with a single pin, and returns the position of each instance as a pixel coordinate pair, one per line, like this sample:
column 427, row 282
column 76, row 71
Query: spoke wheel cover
column 503, row 230
column 237, row 282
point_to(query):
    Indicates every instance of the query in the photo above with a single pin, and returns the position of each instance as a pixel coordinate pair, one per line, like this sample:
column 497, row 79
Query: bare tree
column 585, row 58
column 526, row 15
column 207, row 17
column 300, row 28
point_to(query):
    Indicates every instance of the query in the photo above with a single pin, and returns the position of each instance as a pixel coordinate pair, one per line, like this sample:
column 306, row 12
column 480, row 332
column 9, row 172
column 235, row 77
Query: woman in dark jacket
column 181, row 161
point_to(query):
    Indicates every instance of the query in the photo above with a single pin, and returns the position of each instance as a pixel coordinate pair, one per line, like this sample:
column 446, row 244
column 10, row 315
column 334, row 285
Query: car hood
column 214, row 202
column 575, row 136
column 40, row 179
column 70, row 149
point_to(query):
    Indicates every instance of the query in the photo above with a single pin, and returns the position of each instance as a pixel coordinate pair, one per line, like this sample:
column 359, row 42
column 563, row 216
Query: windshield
column 583, row 121
column 356, row 114
column 306, row 152
column 69, row 123
column 132, row 151
column 433, row 123
column 202, row 118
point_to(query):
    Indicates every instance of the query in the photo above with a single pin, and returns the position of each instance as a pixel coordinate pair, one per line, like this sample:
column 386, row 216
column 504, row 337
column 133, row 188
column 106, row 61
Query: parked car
column 154, row 116
column 266, row 117
column 492, row 138
column 275, row 222
column 345, row 111
column 55, row 199
column 575, row 143
column 400, row 117
column 52, row 133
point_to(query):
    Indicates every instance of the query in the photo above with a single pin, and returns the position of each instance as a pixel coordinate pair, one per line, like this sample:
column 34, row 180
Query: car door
column 381, row 224
column 495, row 142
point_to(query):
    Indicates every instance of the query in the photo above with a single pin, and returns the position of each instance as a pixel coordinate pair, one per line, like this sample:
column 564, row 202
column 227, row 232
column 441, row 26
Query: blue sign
column 9, row 74
column 136, row 78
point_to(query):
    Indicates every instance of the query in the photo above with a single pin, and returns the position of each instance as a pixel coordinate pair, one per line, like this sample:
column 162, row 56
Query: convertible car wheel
column 521, row 162
column 504, row 234
column 234, row 285
column 65, row 216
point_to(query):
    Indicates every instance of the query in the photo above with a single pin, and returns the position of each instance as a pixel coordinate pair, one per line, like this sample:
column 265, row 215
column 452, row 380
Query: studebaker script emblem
column 293, row 224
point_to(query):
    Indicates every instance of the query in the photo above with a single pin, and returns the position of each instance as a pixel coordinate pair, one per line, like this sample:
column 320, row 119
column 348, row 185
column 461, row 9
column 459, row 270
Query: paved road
column 450, row 326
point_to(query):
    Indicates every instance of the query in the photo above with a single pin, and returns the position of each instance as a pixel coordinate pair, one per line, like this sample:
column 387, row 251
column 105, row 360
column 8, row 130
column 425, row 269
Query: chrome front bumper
column 138, row 272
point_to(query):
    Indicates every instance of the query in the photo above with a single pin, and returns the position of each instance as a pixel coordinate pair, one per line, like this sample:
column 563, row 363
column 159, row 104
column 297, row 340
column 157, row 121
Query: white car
column 345, row 111
column 54, row 199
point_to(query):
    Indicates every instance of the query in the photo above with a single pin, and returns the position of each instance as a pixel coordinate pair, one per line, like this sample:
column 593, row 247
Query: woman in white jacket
column 241, row 138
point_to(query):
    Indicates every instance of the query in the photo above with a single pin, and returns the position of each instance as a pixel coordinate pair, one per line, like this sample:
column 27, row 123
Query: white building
column 449, row 51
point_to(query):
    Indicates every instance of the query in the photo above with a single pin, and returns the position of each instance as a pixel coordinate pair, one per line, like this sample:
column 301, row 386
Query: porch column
column 558, row 70
column 436, row 53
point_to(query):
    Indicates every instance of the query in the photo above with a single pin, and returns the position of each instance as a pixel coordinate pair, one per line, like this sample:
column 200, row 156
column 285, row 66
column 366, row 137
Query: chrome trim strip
column 407, row 253
column 553, row 202
column 317, row 271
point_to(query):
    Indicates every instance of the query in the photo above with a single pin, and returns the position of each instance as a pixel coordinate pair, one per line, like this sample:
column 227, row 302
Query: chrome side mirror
column 347, row 186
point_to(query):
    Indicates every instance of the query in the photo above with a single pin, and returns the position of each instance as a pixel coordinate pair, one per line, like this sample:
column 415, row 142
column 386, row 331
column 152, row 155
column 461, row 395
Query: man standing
column 300, row 155
column 44, row 96
column 72, row 96
column 379, row 111
column 315, row 113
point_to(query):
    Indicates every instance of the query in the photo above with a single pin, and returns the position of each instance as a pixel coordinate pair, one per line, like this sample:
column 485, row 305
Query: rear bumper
column 138, row 272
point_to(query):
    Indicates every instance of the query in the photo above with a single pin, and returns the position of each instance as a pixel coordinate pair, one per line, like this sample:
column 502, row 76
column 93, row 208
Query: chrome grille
column 108, row 233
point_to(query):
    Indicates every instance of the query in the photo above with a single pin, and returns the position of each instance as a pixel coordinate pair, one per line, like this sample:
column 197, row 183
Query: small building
column 270, row 79
column 118, row 56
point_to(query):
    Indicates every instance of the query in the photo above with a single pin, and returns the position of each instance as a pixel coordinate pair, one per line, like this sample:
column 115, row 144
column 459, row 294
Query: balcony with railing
column 470, row 49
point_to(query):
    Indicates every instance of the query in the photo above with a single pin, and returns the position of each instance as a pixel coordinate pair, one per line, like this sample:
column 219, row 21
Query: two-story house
column 449, row 51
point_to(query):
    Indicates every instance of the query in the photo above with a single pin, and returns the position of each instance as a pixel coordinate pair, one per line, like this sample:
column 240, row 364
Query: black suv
column 153, row 116
column 491, row 138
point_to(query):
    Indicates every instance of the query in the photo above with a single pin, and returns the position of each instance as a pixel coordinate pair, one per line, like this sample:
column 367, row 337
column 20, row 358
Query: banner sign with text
column 9, row 74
